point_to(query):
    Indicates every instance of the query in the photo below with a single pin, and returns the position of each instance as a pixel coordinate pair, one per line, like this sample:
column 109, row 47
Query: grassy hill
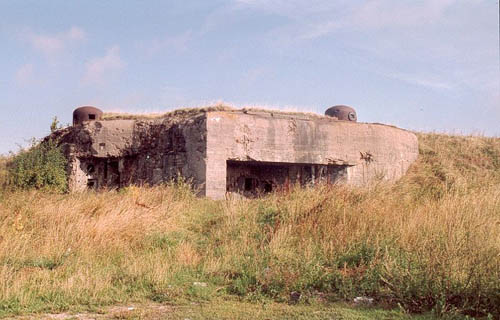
column 431, row 241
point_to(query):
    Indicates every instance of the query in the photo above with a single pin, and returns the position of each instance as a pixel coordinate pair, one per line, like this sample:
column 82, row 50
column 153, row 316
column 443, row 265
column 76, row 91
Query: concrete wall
column 194, row 169
column 77, row 177
column 113, row 138
column 371, row 151
column 146, row 151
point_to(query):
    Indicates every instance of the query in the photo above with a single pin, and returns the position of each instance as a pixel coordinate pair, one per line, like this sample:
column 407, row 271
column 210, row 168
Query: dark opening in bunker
column 102, row 173
column 92, row 184
column 113, row 165
column 268, row 187
column 91, row 116
column 249, row 184
column 252, row 178
column 113, row 174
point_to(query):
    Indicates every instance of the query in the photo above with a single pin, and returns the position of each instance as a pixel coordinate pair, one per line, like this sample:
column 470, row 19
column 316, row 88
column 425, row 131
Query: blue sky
column 428, row 65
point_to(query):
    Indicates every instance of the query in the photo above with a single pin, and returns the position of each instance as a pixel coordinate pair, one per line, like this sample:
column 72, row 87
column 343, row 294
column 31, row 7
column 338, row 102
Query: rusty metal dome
column 342, row 112
column 86, row 113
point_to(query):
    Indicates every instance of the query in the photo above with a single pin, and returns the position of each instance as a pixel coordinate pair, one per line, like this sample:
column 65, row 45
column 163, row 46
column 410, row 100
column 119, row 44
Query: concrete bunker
column 223, row 150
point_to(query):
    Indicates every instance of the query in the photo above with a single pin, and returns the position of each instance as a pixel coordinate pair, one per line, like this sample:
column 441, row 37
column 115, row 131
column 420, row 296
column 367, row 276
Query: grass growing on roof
column 189, row 112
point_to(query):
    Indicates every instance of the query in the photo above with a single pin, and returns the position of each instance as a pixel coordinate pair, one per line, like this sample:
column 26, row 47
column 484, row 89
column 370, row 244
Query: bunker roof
column 191, row 112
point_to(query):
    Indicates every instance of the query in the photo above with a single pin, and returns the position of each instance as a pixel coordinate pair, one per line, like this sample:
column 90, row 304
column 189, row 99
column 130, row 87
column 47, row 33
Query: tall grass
column 428, row 242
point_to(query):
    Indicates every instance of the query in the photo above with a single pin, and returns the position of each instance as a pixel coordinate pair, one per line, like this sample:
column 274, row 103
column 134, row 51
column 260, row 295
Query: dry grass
column 178, row 113
column 183, row 113
column 430, row 241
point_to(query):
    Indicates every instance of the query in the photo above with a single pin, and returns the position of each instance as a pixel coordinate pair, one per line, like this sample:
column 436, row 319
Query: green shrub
column 42, row 166
column 3, row 171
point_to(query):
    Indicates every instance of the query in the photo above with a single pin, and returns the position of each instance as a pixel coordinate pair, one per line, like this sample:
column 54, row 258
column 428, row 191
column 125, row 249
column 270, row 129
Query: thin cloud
column 25, row 75
column 381, row 14
column 76, row 33
column 318, row 18
column 52, row 45
column 252, row 76
column 295, row 9
column 396, row 33
column 100, row 69
column 390, row 13
column 422, row 81
column 177, row 44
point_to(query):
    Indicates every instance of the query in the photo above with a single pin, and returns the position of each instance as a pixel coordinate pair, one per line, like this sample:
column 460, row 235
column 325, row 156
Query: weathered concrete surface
column 116, row 153
column 113, row 138
column 370, row 151
column 263, row 150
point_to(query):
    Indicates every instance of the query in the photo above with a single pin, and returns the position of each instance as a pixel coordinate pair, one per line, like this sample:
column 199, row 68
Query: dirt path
column 116, row 312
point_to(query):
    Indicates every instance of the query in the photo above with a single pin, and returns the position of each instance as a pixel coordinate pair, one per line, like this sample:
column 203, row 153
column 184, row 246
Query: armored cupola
column 341, row 112
column 87, row 113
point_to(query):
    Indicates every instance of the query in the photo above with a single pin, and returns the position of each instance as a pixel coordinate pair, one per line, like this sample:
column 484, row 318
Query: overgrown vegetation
column 430, row 242
column 41, row 166
column 3, row 171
